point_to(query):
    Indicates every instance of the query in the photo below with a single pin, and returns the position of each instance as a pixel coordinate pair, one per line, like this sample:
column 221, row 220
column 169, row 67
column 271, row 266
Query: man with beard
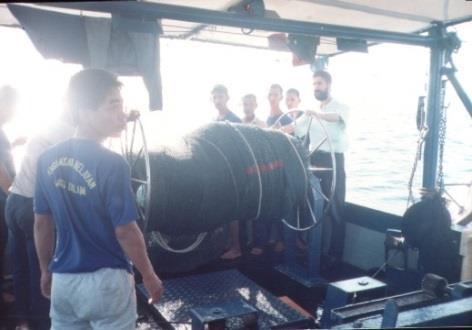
column 334, row 117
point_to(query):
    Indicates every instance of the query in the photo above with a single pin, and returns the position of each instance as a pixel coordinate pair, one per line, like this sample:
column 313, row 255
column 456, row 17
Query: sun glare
column 381, row 88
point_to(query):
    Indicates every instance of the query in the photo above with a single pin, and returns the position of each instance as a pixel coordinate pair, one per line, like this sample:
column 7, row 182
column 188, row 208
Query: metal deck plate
column 452, row 313
column 359, row 284
column 182, row 294
column 416, row 300
column 301, row 275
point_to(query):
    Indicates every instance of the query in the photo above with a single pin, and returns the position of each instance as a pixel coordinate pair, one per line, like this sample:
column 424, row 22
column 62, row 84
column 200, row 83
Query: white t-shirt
column 336, row 130
column 256, row 122
column 25, row 179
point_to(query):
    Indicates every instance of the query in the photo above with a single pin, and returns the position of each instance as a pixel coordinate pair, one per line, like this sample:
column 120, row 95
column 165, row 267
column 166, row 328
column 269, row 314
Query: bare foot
column 279, row 246
column 231, row 254
column 257, row 251
column 23, row 325
column 8, row 297
column 301, row 244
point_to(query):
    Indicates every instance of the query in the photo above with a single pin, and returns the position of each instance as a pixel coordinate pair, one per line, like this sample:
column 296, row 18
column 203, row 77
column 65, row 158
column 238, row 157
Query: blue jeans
column 29, row 303
column 263, row 229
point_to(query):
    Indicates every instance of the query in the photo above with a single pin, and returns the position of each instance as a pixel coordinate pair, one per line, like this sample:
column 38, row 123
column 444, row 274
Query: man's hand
column 19, row 141
column 312, row 113
column 331, row 117
column 44, row 238
column 132, row 241
column 154, row 287
column 287, row 128
column 276, row 125
column 46, row 280
column 133, row 115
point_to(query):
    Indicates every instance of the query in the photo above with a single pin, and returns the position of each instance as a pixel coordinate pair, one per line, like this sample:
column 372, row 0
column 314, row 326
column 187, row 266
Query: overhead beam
column 213, row 17
column 461, row 93
column 201, row 27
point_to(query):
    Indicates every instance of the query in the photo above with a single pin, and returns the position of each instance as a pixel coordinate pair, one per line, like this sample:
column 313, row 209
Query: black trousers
column 29, row 302
column 334, row 215
column 3, row 242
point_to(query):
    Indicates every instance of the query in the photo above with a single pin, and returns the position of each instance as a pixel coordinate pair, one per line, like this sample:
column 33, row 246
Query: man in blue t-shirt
column 262, row 228
column 220, row 97
column 83, row 197
column 276, row 115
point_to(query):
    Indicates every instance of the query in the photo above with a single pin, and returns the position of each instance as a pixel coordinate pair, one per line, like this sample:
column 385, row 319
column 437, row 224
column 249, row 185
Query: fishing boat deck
column 222, row 281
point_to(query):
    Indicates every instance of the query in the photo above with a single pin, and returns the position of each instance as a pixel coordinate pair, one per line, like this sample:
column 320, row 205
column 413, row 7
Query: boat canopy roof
column 218, row 21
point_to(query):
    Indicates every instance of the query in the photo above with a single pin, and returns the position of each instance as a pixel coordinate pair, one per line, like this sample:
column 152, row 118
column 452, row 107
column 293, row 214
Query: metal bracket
column 390, row 315
column 235, row 314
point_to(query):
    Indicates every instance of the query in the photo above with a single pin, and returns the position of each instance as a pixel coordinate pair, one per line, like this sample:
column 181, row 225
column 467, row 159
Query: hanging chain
column 442, row 142
column 421, row 139
column 442, row 138
column 423, row 129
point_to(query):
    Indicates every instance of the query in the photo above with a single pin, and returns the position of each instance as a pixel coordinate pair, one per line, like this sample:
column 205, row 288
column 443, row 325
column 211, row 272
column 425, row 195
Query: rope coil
column 258, row 171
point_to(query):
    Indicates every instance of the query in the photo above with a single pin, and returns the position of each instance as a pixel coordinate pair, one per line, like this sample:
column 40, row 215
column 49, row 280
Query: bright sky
column 381, row 88
column 190, row 69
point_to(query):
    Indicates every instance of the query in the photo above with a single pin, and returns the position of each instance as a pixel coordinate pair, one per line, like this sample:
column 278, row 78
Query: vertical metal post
column 431, row 146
